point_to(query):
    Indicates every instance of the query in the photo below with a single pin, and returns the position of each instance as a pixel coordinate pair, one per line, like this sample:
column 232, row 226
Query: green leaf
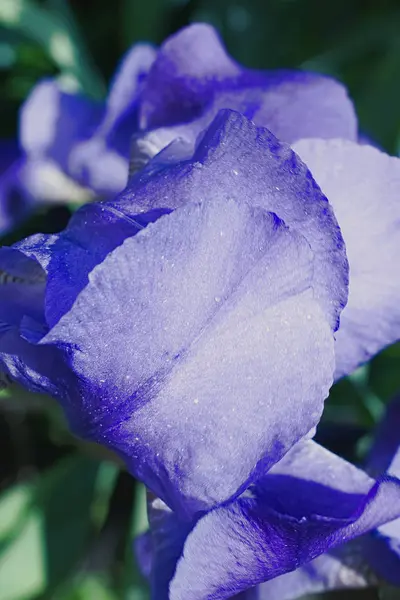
column 22, row 564
column 45, row 528
column 14, row 504
column 65, row 498
column 385, row 373
column 59, row 37
column 143, row 21
column 86, row 588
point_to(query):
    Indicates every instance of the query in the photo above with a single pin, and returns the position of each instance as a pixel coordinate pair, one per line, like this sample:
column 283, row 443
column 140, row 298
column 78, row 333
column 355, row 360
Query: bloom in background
column 152, row 336
column 193, row 77
column 74, row 149
column 310, row 501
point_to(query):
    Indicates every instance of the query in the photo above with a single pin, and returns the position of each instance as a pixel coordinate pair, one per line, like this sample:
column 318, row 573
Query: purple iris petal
column 193, row 77
column 385, row 453
column 66, row 259
column 311, row 501
column 81, row 139
column 196, row 308
column 128, row 82
column 363, row 186
column 236, row 159
column 77, row 149
column 157, row 341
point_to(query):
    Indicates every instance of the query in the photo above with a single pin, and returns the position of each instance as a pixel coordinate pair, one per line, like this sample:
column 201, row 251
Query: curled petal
column 188, row 66
column 235, row 159
column 287, row 519
column 126, row 87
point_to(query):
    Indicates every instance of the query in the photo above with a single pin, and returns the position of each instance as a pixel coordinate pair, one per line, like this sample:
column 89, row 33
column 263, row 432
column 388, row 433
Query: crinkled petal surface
column 363, row 186
column 175, row 328
column 193, row 77
column 158, row 551
column 235, row 159
column 52, row 121
column 310, row 502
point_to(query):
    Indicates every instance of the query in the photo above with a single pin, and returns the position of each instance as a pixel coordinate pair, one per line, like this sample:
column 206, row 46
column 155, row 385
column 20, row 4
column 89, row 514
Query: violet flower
column 72, row 148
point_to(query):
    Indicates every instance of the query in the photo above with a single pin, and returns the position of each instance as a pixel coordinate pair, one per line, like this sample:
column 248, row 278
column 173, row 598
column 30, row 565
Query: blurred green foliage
column 68, row 514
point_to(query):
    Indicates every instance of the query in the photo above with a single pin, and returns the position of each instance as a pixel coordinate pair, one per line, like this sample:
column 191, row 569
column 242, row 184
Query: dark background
column 68, row 514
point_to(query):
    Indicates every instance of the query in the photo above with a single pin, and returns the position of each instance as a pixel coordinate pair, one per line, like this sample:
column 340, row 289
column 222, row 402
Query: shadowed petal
column 16, row 199
column 127, row 84
column 384, row 455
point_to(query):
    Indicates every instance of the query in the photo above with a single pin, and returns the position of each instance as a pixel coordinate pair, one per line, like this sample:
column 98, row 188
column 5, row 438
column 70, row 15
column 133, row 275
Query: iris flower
column 194, row 326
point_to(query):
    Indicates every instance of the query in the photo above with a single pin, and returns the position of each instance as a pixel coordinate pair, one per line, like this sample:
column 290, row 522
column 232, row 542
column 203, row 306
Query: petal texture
column 175, row 328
